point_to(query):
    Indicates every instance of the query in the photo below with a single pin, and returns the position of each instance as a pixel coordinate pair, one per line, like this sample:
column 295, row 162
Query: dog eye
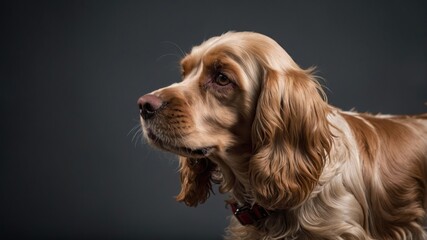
column 221, row 79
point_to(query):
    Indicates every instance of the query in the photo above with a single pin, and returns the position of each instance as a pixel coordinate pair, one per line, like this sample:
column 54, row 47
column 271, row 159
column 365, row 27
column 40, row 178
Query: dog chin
column 197, row 152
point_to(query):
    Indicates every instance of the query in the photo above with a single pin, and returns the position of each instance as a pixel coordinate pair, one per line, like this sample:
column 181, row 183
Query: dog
column 247, row 117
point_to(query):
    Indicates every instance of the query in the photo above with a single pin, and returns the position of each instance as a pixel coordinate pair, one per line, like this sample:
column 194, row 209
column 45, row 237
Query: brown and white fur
column 247, row 116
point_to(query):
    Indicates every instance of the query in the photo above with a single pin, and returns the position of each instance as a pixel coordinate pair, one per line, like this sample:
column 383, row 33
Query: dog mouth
column 198, row 157
column 201, row 152
column 205, row 166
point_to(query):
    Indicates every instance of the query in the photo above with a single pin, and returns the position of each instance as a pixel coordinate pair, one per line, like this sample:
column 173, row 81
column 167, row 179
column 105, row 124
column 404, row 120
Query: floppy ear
column 291, row 139
column 195, row 181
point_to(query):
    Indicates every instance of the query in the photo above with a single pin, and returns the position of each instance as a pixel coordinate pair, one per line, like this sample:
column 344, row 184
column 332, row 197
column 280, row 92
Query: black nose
column 148, row 105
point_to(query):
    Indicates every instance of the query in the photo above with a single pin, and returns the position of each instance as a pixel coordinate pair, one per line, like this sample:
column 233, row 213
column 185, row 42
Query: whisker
column 135, row 128
column 137, row 134
column 176, row 45
column 168, row 54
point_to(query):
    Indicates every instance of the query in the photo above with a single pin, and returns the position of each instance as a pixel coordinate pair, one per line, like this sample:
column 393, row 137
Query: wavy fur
column 247, row 116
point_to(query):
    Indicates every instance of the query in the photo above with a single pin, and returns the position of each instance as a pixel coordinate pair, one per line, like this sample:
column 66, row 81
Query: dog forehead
column 231, row 42
column 248, row 52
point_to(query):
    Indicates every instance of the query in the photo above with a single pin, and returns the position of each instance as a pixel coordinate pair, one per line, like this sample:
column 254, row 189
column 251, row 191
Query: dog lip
column 189, row 152
column 151, row 135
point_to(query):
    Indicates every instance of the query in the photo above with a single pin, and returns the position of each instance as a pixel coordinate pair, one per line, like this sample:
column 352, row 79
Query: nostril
column 148, row 108
column 146, row 111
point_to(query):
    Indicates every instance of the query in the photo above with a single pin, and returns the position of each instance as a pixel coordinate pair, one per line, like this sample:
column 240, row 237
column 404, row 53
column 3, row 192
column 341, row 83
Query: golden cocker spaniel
column 247, row 117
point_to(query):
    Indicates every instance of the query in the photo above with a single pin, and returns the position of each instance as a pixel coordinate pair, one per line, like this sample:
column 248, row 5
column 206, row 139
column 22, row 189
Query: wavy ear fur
column 195, row 181
column 291, row 139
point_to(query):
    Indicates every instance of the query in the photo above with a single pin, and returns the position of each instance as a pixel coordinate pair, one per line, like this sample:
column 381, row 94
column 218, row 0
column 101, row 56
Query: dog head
column 245, row 107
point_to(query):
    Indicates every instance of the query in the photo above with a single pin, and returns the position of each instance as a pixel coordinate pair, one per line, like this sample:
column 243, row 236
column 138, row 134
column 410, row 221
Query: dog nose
column 148, row 105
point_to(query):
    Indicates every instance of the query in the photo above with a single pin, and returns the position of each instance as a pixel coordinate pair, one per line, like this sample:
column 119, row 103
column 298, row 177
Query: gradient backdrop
column 71, row 72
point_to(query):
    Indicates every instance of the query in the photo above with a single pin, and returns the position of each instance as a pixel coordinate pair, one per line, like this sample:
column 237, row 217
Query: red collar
column 248, row 214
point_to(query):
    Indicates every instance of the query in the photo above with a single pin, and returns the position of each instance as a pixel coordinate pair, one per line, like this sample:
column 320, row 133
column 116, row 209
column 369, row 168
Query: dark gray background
column 71, row 72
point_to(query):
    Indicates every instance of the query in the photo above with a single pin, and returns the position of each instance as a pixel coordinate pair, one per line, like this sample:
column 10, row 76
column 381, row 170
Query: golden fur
column 247, row 116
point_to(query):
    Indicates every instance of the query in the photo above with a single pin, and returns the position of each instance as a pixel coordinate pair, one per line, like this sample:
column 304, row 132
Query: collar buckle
column 247, row 214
